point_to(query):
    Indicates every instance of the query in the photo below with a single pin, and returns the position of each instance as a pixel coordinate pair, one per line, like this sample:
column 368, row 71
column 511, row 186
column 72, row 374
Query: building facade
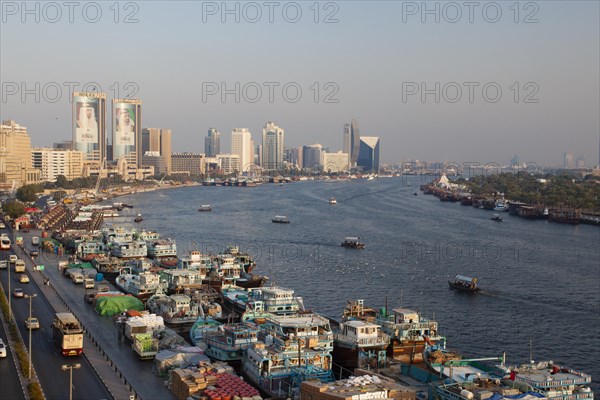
column 229, row 163
column 127, row 131
column 55, row 162
column 190, row 163
column 354, row 144
column 335, row 162
column 212, row 143
column 312, row 157
column 368, row 158
column 243, row 146
column 272, row 146
column 156, row 140
column 89, row 126
column 15, row 156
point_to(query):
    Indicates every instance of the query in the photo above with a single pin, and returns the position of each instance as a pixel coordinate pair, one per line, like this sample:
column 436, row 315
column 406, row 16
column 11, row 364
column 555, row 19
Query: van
column 77, row 277
column 89, row 283
column 19, row 266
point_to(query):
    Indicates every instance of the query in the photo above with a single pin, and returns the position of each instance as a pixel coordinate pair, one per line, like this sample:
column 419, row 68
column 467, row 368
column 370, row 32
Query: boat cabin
column 361, row 333
column 281, row 219
column 353, row 242
column 465, row 282
column 275, row 300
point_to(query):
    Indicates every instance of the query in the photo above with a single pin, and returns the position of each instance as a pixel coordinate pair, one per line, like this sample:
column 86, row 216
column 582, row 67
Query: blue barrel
column 99, row 277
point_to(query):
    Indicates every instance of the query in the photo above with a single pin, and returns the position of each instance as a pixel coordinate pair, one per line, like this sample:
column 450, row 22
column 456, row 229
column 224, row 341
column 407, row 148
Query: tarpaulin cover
column 111, row 305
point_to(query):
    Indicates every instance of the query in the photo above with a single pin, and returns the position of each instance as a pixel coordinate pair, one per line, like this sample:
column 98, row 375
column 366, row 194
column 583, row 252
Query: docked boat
column 131, row 249
column 141, row 285
column 109, row 267
column 291, row 349
column 280, row 219
column 161, row 248
column 496, row 218
column 205, row 207
column 353, row 243
column 359, row 344
column 272, row 300
column 230, row 342
column 244, row 259
column 464, row 284
column 179, row 280
column 332, row 200
column 138, row 218
column 501, row 206
column 181, row 309
column 201, row 327
column 195, row 261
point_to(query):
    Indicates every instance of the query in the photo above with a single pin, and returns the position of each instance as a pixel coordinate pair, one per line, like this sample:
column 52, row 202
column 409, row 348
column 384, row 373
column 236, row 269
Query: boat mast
column 530, row 351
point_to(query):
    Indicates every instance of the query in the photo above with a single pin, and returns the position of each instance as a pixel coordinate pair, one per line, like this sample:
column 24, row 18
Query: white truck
column 77, row 277
column 89, row 283
column 19, row 266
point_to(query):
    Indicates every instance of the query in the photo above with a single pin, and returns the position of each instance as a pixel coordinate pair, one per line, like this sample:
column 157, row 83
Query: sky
column 437, row 81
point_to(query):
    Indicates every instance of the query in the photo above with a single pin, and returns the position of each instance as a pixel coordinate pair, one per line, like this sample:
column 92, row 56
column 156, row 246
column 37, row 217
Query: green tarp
column 107, row 306
column 81, row 265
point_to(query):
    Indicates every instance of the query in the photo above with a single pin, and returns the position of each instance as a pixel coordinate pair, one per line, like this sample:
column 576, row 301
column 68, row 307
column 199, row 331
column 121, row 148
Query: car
column 2, row 349
column 3, row 264
column 34, row 253
column 13, row 258
column 18, row 292
column 23, row 278
column 2, row 225
column 32, row 323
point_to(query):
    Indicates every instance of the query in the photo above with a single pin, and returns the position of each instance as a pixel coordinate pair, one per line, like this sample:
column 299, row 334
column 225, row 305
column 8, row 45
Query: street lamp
column 70, row 367
column 30, row 297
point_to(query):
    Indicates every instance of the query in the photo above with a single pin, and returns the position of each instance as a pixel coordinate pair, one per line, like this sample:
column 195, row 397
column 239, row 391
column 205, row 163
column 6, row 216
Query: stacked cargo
column 211, row 382
column 356, row 388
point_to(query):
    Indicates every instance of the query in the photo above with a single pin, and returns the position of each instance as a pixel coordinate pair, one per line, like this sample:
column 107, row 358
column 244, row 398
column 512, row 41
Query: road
column 46, row 358
column 8, row 371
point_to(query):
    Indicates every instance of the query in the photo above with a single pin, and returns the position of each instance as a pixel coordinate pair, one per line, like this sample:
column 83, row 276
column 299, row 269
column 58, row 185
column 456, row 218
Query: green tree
column 14, row 208
column 28, row 192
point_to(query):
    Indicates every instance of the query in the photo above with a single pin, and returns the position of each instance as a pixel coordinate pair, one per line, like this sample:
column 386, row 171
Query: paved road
column 11, row 389
column 46, row 358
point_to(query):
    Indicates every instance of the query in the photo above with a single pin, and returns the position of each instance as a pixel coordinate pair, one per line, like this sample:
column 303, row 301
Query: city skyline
column 401, row 81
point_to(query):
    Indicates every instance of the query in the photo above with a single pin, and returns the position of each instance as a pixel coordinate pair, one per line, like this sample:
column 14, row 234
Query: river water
column 540, row 281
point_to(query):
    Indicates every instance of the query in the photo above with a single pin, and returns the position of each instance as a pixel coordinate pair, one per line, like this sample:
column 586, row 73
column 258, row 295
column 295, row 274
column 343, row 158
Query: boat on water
column 205, row 207
column 353, row 243
column 496, row 218
column 141, row 285
column 290, row 349
column 271, row 299
column 138, row 218
column 161, row 248
column 130, row 249
column 464, row 284
column 230, row 342
column 501, row 206
column 201, row 327
column 280, row 219
column 332, row 200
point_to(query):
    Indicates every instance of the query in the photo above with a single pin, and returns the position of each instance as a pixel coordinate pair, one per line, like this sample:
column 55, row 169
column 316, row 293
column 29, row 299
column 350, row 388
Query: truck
column 77, row 277
column 19, row 266
column 145, row 346
column 89, row 283
column 19, row 241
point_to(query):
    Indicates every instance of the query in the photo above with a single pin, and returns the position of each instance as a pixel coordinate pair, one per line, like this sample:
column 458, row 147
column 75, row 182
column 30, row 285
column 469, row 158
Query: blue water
column 540, row 280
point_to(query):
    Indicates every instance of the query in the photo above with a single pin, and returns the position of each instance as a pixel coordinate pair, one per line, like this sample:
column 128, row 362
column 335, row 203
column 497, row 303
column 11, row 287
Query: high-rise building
column 368, row 157
column 242, row 145
column 155, row 160
column 212, row 142
column 127, row 131
column 335, row 162
column 354, row 143
column 157, row 140
column 272, row 146
column 312, row 156
column 89, row 126
column 15, row 156
column 55, row 162
column 568, row 162
column 346, row 138
column 64, row 145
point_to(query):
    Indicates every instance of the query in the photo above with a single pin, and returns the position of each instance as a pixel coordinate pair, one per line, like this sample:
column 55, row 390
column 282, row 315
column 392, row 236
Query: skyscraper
column 89, row 126
column 155, row 140
column 272, row 146
column 368, row 158
column 346, row 139
column 242, row 145
column 354, row 143
column 568, row 162
column 15, row 156
column 312, row 156
column 127, row 131
column 212, row 143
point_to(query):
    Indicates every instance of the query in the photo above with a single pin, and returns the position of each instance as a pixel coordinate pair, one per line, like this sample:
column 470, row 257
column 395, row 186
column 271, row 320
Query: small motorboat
column 415, row 193
column 280, row 219
column 332, row 200
column 205, row 207
column 464, row 284
column 138, row 218
column 353, row 243
column 496, row 218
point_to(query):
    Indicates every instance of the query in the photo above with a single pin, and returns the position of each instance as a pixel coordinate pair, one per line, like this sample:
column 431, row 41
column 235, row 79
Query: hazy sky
column 376, row 60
